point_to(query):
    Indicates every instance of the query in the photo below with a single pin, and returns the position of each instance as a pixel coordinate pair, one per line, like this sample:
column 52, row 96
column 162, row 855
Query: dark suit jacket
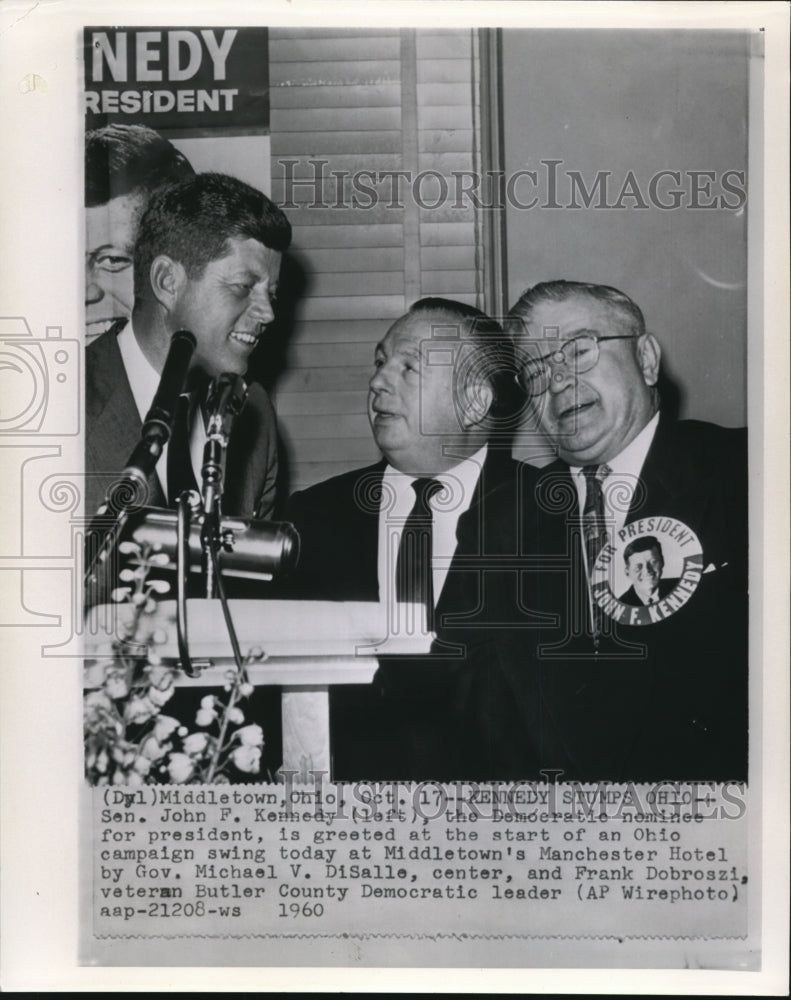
column 664, row 700
column 112, row 429
column 630, row 596
column 407, row 724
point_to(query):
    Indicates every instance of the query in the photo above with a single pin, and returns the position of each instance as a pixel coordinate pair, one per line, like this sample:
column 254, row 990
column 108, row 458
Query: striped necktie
column 594, row 528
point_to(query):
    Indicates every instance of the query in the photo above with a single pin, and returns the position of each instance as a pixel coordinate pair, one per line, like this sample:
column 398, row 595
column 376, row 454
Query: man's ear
column 478, row 399
column 168, row 278
column 649, row 354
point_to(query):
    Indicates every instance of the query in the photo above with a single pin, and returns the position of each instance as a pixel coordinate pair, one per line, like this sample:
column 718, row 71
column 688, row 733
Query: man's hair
column 191, row 222
column 644, row 544
column 629, row 314
column 120, row 159
column 492, row 357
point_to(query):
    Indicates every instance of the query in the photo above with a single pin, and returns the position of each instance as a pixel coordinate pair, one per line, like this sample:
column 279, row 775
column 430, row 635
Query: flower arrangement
column 128, row 739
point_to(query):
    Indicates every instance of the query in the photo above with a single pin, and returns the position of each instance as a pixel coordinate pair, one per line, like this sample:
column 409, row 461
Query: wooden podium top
column 292, row 643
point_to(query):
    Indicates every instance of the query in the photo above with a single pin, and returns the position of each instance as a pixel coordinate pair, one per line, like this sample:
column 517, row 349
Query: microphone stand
column 130, row 491
column 226, row 398
column 183, row 523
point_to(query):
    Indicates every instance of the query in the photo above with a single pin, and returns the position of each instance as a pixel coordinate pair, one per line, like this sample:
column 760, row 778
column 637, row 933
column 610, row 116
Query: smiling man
column 616, row 695
column 644, row 565
column 124, row 165
column 207, row 259
column 411, row 528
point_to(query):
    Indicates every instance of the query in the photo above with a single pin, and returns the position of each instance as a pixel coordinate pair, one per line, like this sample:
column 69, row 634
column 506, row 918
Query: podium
column 302, row 646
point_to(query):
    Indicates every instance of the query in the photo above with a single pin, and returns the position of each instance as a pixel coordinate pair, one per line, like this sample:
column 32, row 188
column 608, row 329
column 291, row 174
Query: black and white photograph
column 396, row 489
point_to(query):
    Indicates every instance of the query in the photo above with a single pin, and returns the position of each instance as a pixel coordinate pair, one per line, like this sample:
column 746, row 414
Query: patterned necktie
column 413, row 567
column 180, row 472
column 594, row 528
column 593, row 523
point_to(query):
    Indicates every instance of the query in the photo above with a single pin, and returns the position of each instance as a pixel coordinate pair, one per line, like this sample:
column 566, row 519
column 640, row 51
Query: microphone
column 130, row 490
column 227, row 395
column 252, row 550
column 159, row 418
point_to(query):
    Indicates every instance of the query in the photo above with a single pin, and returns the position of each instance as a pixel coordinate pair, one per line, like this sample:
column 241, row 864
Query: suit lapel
column 243, row 465
column 582, row 692
column 112, row 422
column 363, row 528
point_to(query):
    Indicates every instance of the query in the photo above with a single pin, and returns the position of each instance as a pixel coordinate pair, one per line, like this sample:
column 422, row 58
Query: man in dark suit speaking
column 410, row 529
column 207, row 259
column 611, row 691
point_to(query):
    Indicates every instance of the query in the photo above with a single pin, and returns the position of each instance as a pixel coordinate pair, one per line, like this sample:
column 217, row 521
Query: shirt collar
column 143, row 377
column 466, row 473
column 629, row 463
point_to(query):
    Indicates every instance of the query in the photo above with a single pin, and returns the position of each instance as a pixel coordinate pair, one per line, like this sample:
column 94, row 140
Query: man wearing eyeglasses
column 603, row 696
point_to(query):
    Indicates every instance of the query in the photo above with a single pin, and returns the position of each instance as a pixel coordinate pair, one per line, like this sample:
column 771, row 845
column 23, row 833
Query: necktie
column 413, row 567
column 593, row 523
column 594, row 528
column 180, row 473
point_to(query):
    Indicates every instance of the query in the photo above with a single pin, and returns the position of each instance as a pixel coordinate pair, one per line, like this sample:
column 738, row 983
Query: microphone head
column 184, row 336
column 227, row 394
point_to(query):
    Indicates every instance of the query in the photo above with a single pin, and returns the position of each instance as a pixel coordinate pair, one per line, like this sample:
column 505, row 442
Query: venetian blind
column 347, row 106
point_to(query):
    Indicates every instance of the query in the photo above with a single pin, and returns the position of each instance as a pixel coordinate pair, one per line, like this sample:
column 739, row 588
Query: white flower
column 164, row 727
column 206, row 713
column 95, row 673
column 235, row 715
column 161, row 681
column 152, row 749
column 247, row 758
column 98, row 701
column 196, row 743
column 141, row 766
column 139, row 710
column 245, row 690
column 116, row 685
column 159, row 695
column 251, row 736
column 180, row 767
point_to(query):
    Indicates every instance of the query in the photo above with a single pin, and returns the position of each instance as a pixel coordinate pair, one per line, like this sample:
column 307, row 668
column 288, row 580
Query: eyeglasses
column 574, row 358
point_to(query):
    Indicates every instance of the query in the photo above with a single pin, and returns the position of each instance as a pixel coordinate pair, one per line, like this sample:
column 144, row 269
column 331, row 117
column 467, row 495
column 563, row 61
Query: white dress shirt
column 144, row 382
column 625, row 468
column 447, row 506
